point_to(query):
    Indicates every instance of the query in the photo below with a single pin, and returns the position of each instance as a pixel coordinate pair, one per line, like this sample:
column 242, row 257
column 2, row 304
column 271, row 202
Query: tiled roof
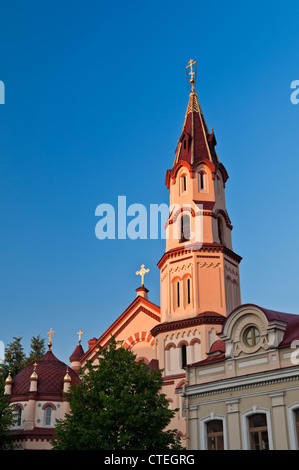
column 77, row 354
column 50, row 371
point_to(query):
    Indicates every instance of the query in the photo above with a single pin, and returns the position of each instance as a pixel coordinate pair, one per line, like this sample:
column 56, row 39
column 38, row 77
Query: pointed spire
column 77, row 354
column 196, row 142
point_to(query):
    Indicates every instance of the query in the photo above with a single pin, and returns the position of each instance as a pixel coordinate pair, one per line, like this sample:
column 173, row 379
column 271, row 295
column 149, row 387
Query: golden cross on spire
column 80, row 334
column 141, row 273
column 190, row 64
column 50, row 333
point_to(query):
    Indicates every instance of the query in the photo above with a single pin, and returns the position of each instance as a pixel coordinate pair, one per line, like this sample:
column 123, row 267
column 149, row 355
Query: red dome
column 217, row 346
column 77, row 354
column 50, row 373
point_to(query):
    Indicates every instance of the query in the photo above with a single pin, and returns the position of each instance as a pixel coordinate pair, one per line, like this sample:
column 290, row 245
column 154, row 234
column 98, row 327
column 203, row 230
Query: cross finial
column 191, row 73
column 141, row 273
column 80, row 334
column 50, row 333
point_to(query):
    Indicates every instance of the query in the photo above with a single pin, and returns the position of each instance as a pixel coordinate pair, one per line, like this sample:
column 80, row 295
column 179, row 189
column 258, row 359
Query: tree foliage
column 117, row 406
column 6, row 421
column 15, row 358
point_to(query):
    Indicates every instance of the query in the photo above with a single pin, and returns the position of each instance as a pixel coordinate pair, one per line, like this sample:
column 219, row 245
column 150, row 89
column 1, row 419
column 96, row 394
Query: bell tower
column 199, row 271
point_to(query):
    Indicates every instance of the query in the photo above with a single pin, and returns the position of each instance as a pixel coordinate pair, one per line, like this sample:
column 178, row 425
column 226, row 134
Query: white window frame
column 245, row 426
column 292, row 425
column 45, row 417
column 203, row 430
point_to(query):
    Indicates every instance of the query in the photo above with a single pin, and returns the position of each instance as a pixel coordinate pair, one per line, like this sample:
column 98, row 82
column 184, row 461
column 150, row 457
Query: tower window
column 184, row 355
column 185, row 144
column 220, row 230
column 188, row 290
column 202, row 181
column 183, row 184
column 178, row 294
column 185, row 228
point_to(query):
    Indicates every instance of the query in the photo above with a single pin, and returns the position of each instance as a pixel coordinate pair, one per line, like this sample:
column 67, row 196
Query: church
column 200, row 334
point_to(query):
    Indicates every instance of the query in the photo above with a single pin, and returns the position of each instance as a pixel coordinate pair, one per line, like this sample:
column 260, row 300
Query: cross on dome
column 50, row 333
column 79, row 333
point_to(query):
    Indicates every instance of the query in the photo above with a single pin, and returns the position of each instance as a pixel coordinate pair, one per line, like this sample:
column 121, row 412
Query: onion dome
column 8, row 379
column 51, row 373
column 67, row 377
column 34, row 375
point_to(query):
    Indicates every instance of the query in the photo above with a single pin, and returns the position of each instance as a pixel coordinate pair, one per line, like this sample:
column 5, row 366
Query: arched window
column 18, row 416
column 176, row 294
column 183, row 356
column 258, row 432
column 187, row 290
column 220, row 230
column 183, row 183
column 48, row 416
column 185, row 228
column 215, row 439
column 202, row 181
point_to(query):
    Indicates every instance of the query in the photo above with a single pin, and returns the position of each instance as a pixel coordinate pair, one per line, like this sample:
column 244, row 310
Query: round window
column 251, row 336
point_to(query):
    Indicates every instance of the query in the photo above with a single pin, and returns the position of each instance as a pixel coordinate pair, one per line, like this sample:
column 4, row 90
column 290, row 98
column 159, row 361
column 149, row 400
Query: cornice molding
column 248, row 381
column 199, row 249
column 201, row 319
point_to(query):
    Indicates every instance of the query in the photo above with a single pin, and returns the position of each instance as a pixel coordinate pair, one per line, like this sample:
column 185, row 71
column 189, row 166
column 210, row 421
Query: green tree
column 14, row 359
column 37, row 349
column 117, row 406
column 6, row 421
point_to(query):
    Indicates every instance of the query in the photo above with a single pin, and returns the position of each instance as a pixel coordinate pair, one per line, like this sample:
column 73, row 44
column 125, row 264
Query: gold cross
column 50, row 333
column 191, row 63
column 79, row 334
column 141, row 273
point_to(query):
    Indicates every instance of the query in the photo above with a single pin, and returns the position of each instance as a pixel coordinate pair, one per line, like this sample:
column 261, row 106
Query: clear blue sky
column 95, row 100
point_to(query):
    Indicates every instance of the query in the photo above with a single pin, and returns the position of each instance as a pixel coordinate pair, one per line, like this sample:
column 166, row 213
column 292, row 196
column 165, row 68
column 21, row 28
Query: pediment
column 140, row 312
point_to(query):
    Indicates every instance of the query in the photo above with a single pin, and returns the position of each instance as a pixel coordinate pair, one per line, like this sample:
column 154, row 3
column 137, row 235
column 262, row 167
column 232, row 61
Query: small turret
column 77, row 354
column 8, row 384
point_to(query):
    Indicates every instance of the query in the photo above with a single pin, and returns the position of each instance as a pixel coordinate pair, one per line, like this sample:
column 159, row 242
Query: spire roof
column 196, row 143
column 77, row 354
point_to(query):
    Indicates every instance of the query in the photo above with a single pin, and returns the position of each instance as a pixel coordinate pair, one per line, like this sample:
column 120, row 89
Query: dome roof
column 50, row 371
column 77, row 354
column 217, row 346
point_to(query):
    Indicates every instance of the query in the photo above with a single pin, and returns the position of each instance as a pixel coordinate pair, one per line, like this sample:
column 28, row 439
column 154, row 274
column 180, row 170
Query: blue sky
column 95, row 97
